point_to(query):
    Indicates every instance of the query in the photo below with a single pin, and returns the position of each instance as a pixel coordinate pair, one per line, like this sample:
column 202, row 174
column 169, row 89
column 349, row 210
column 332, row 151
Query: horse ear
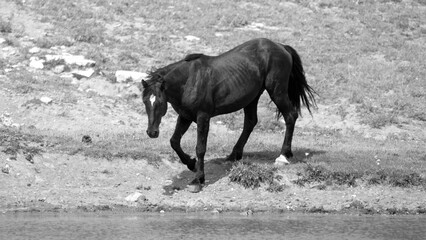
column 144, row 84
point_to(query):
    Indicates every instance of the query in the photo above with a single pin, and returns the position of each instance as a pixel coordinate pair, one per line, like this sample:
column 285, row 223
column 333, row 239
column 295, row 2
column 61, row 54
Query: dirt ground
column 58, row 181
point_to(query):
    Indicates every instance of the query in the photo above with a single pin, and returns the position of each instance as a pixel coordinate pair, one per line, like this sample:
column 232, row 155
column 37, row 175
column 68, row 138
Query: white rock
column 38, row 179
column 67, row 75
column 34, row 50
column 46, row 100
column 124, row 76
column 2, row 40
column 133, row 197
column 59, row 69
column 78, row 60
column 6, row 120
column 36, row 63
column 192, row 38
column 6, row 169
column 83, row 73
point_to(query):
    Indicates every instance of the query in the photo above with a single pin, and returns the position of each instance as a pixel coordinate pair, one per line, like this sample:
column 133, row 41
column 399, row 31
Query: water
column 206, row 226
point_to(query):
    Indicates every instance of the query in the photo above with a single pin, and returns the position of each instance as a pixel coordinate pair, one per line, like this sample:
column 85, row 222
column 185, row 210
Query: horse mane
column 155, row 74
column 193, row 56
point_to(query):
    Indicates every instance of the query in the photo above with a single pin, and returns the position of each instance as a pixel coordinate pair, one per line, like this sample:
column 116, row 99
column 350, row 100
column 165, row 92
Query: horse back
column 230, row 81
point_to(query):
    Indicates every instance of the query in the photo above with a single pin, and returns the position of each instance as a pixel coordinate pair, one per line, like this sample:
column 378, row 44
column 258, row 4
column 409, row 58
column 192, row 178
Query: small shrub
column 317, row 173
column 395, row 178
column 3, row 64
column 89, row 31
column 357, row 204
column 312, row 174
column 128, row 59
column 98, row 55
column 239, row 21
column 5, row 26
column 252, row 175
column 44, row 43
column 55, row 41
column 276, row 187
column 14, row 142
column 380, row 120
column 12, row 41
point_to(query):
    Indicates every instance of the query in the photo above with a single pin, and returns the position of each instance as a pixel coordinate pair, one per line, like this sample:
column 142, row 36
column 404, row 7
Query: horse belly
column 236, row 100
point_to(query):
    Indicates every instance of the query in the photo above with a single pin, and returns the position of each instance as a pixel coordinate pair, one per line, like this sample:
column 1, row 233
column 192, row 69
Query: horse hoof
column 233, row 157
column 195, row 188
column 281, row 161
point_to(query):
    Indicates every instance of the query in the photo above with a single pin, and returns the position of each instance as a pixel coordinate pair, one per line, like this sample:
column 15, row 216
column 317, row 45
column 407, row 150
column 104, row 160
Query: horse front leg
column 182, row 126
column 203, row 124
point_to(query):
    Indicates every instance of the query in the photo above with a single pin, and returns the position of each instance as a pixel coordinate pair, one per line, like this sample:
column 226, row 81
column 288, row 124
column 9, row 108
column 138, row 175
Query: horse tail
column 298, row 88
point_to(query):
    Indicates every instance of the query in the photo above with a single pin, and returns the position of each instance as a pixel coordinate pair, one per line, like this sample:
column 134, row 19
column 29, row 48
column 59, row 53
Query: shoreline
column 164, row 209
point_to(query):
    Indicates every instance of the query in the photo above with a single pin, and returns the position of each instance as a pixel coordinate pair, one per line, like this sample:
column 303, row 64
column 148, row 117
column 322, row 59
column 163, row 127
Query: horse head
column 154, row 99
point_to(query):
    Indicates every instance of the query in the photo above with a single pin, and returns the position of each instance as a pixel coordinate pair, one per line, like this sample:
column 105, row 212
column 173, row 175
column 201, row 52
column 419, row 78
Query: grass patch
column 89, row 31
column 369, row 50
column 396, row 178
column 13, row 142
column 318, row 173
column 46, row 42
column 251, row 175
column 110, row 147
column 389, row 176
column 5, row 26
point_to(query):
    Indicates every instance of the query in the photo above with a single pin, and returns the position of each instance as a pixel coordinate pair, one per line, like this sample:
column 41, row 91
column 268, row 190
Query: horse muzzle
column 153, row 133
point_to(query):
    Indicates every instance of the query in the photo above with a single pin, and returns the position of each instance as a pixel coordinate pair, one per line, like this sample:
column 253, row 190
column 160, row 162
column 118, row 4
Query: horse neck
column 175, row 80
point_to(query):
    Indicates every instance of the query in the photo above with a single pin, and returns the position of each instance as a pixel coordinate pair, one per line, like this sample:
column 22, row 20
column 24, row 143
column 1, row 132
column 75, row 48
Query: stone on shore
column 127, row 76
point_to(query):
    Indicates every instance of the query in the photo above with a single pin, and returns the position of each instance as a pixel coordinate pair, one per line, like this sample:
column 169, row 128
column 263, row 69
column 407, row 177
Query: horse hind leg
column 250, row 121
column 290, row 114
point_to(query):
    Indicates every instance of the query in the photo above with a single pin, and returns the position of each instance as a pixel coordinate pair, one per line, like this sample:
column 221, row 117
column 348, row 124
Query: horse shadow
column 215, row 170
column 219, row 168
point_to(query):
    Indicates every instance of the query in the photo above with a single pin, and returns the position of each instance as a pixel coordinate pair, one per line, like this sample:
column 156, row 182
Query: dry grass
column 364, row 51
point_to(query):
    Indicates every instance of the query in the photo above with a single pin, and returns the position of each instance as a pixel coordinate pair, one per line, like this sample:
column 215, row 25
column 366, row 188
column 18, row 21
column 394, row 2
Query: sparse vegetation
column 5, row 26
column 396, row 178
column 389, row 176
column 364, row 58
column 320, row 174
column 13, row 142
column 254, row 175
column 89, row 31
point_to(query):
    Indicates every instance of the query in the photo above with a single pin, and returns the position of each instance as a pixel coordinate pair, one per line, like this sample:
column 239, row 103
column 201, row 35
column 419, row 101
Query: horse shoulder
column 197, row 90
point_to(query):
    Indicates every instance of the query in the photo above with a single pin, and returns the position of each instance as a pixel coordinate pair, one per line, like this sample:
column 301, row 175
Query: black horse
column 200, row 87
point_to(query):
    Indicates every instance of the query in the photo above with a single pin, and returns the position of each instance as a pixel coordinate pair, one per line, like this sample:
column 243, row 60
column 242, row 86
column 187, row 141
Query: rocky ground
column 56, row 105
column 93, row 106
